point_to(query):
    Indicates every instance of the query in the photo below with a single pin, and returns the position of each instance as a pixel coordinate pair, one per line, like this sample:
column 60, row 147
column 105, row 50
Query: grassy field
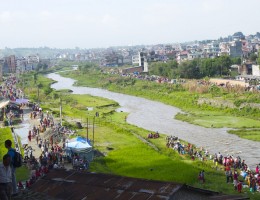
column 6, row 134
column 217, row 120
column 249, row 134
column 22, row 173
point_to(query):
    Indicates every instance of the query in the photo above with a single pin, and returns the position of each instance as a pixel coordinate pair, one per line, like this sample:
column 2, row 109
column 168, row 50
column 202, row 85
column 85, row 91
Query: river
column 156, row 116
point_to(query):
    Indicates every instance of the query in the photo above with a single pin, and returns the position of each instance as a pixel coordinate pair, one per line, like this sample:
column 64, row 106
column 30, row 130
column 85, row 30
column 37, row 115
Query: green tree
column 252, row 57
column 236, row 61
column 223, row 63
column 44, row 66
column 189, row 69
column 35, row 78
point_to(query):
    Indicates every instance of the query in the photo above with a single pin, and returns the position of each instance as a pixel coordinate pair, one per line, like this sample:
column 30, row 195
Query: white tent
column 79, row 145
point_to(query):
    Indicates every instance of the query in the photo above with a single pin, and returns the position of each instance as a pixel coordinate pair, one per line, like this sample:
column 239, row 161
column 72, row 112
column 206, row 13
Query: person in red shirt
column 239, row 187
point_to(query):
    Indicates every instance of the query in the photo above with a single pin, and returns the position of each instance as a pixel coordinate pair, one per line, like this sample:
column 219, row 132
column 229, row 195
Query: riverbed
column 156, row 116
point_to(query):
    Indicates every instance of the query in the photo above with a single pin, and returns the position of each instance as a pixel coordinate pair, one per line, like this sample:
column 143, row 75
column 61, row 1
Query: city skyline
column 104, row 23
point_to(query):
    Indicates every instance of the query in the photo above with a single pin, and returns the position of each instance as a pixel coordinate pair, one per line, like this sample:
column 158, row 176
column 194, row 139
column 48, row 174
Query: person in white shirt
column 5, row 178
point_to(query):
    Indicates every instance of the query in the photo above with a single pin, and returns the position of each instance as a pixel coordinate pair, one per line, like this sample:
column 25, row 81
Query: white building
column 33, row 59
column 255, row 70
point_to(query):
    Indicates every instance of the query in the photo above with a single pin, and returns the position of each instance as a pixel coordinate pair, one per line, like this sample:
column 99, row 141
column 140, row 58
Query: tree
column 189, row 69
column 35, row 78
column 223, row 63
column 45, row 66
column 236, row 61
column 252, row 57
column 258, row 59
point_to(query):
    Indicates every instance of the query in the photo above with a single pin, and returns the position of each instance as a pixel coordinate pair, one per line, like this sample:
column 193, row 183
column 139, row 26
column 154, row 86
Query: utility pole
column 87, row 129
column 60, row 112
column 93, row 130
column 38, row 93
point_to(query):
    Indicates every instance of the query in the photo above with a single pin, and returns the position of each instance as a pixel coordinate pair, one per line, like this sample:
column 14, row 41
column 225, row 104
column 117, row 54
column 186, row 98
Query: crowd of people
column 153, row 135
column 51, row 151
column 236, row 170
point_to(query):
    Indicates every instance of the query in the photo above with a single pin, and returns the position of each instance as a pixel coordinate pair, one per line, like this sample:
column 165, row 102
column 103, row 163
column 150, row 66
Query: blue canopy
column 22, row 100
column 79, row 143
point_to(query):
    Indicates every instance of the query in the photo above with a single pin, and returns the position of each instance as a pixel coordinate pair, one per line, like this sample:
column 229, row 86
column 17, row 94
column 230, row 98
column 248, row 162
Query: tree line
column 197, row 68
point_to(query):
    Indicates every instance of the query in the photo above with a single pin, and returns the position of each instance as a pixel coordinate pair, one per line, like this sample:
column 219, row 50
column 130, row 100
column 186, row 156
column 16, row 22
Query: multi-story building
column 182, row 56
column 194, row 54
column 1, row 69
column 135, row 60
column 11, row 64
column 141, row 60
column 211, row 49
column 33, row 59
column 235, row 49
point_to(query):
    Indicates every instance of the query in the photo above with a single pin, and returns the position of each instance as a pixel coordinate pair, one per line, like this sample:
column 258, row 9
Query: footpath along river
column 156, row 116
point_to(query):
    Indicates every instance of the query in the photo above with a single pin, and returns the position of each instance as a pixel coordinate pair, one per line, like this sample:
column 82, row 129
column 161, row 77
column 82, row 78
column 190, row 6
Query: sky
column 105, row 23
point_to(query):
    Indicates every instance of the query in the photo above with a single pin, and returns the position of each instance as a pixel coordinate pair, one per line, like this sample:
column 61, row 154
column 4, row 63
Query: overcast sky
column 104, row 23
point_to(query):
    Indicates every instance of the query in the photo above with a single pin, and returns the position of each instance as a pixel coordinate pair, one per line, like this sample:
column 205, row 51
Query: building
column 33, row 59
column 1, row 69
column 141, row 60
column 70, row 185
column 8, row 64
column 255, row 70
column 135, row 60
column 235, row 49
column 182, row 56
column 211, row 49
column 12, row 64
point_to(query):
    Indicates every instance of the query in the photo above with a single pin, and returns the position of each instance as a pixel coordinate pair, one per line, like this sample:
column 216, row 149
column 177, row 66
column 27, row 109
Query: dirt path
column 22, row 130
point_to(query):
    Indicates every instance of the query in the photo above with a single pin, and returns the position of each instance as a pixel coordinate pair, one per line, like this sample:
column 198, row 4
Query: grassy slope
column 22, row 173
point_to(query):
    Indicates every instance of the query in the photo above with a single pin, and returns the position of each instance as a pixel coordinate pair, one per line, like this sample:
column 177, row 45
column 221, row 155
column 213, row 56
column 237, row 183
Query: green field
column 218, row 120
column 22, row 173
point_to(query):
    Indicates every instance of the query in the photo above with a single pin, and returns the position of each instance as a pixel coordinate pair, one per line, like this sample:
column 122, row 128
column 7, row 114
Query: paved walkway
column 22, row 130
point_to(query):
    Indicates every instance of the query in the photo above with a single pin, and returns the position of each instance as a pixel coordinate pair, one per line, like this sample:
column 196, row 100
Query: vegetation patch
column 249, row 134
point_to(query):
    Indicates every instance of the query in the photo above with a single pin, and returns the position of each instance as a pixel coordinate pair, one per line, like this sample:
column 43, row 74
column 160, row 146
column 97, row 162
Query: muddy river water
column 156, row 116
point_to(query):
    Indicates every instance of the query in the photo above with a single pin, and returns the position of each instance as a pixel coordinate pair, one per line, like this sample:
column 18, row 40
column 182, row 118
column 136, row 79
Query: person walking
column 11, row 152
column 5, row 178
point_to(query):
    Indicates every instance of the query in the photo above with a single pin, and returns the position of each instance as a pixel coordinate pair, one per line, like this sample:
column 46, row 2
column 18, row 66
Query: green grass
column 6, row 134
column 129, row 156
column 22, row 173
column 250, row 134
column 219, row 120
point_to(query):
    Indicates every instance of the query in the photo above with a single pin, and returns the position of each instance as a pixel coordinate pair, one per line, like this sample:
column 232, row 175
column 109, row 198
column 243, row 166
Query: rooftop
column 62, row 184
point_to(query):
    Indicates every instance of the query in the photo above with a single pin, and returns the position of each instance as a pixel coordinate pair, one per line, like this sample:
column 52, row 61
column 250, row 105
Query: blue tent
column 79, row 143
column 80, row 146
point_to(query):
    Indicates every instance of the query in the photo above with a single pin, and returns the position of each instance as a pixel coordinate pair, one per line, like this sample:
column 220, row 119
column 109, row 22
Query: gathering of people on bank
column 236, row 170
column 49, row 150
